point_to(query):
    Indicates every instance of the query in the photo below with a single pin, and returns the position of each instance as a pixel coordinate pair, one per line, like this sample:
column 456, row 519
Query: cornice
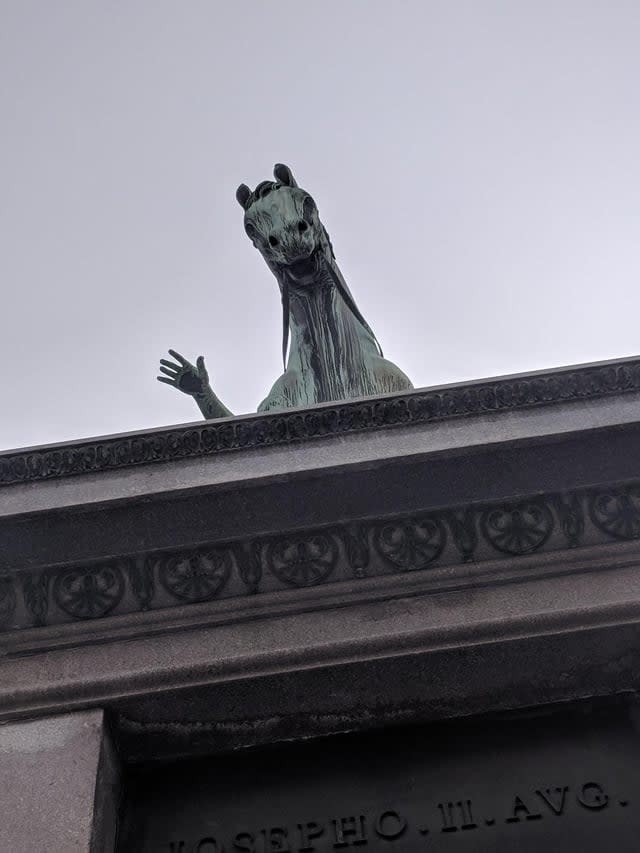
column 422, row 406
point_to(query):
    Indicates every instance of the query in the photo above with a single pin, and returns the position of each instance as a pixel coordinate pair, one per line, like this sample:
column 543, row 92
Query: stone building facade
column 396, row 624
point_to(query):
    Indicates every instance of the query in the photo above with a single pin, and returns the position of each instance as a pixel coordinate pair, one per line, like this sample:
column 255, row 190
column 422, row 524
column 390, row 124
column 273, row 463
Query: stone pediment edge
column 247, row 432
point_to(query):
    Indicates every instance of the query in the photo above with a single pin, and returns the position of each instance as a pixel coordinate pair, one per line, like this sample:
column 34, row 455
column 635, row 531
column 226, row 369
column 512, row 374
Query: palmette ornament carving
column 617, row 512
column 7, row 599
column 141, row 572
column 571, row 516
column 356, row 546
column 89, row 593
column 411, row 544
column 462, row 524
column 518, row 529
column 195, row 576
column 35, row 587
column 303, row 560
column 249, row 561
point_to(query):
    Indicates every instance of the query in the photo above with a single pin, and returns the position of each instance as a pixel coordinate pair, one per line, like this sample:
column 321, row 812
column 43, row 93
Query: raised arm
column 194, row 381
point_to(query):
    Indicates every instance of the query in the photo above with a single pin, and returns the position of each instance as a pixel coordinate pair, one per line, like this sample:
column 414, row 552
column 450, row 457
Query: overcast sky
column 477, row 165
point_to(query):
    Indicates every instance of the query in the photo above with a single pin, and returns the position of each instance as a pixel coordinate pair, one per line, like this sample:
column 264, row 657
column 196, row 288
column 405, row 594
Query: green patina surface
column 329, row 351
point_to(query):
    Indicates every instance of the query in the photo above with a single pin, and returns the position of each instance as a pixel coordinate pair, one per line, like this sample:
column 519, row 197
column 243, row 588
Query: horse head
column 282, row 222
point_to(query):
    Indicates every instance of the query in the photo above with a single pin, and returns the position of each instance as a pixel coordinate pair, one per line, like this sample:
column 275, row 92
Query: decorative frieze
column 298, row 559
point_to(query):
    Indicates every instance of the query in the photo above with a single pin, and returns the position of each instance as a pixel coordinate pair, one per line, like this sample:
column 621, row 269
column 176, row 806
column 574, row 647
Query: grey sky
column 476, row 164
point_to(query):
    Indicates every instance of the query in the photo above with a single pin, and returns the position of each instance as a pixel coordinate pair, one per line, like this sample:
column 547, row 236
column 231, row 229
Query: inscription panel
column 555, row 782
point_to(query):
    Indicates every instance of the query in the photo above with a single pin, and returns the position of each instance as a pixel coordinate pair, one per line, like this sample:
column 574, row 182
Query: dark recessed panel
column 544, row 783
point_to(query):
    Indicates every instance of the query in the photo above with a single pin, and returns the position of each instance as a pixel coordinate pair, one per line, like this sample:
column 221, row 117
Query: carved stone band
column 299, row 425
column 364, row 549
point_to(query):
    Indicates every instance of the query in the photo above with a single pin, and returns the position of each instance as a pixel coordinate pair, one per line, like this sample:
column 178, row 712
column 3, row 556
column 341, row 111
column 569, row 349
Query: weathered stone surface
column 462, row 562
column 308, row 662
column 560, row 780
column 59, row 785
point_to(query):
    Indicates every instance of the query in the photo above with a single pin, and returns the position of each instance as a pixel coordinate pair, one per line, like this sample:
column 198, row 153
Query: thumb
column 202, row 370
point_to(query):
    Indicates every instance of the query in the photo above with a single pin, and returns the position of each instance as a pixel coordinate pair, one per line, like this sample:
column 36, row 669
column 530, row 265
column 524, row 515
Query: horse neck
column 327, row 340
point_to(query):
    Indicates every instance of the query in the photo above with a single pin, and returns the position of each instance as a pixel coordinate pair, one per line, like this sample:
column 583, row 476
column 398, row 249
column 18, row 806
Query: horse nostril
column 273, row 240
column 302, row 226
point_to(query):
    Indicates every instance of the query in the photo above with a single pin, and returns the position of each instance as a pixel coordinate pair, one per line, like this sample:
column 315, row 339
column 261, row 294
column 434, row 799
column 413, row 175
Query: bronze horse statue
column 333, row 354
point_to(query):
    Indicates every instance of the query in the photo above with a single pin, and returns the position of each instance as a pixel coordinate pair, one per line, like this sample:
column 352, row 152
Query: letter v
column 556, row 807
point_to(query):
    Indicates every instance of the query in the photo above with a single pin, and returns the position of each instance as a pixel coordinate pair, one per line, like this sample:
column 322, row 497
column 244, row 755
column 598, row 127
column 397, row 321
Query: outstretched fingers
column 173, row 372
column 180, row 373
column 183, row 361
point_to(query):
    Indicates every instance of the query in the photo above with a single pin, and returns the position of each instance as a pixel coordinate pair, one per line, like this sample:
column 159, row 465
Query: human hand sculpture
column 183, row 375
column 193, row 380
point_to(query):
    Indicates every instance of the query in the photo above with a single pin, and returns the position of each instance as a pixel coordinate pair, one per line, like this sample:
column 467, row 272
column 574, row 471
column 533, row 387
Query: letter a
column 519, row 807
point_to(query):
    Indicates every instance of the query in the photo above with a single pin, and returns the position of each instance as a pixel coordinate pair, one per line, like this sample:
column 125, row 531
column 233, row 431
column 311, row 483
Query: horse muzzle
column 304, row 269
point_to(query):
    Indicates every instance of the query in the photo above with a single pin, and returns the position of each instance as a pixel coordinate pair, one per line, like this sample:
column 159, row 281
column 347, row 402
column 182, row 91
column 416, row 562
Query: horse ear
column 284, row 174
column 242, row 195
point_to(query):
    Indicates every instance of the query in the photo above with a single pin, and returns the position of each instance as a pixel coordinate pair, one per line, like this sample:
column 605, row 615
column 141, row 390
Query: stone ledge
column 417, row 654
column 503, row 394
